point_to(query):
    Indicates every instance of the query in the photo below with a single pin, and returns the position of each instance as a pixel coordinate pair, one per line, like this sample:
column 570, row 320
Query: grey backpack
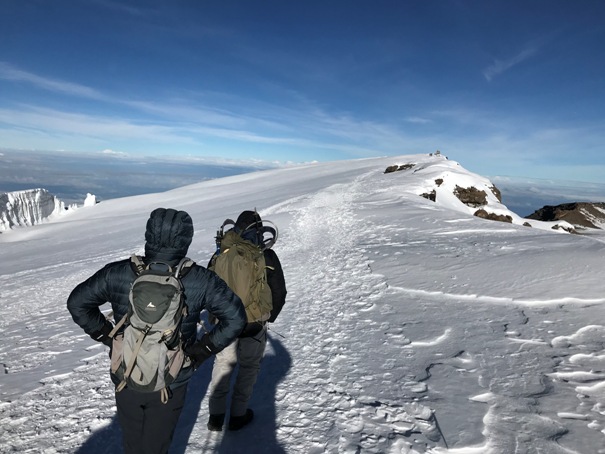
column 147, row 354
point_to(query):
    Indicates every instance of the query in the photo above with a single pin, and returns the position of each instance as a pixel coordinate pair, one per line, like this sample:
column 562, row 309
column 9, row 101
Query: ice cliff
column 26, row 208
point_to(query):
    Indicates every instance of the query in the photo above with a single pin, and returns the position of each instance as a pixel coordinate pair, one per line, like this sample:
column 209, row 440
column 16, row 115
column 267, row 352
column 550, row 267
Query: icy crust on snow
column 583, row 368
column 410, row 327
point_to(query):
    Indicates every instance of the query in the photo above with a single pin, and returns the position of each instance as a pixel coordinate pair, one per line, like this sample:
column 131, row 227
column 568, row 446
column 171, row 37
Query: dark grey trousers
column 148, row 424
column 247, row 353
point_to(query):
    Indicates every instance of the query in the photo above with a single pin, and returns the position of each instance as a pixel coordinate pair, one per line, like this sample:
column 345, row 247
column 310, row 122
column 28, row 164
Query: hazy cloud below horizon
column 111, row 175
column 70, row 176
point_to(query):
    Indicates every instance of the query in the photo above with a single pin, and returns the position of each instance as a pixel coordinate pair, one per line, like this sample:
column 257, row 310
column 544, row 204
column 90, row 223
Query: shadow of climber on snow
column 260, row 435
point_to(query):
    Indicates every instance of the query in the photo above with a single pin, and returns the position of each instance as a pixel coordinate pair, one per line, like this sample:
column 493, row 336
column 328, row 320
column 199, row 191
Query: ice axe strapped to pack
column 258, row 233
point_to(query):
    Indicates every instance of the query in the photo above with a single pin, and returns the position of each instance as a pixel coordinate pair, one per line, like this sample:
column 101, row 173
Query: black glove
column 200, row 351
column 103, row 334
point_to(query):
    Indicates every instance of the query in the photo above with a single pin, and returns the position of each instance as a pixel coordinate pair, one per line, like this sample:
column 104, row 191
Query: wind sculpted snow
column 410, row 325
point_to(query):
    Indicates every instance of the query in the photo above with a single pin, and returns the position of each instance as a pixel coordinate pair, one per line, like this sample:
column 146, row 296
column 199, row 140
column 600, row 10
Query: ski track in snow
column 326, row 397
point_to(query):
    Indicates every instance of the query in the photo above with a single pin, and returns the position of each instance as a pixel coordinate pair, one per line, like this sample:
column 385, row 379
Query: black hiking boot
column 237, row 422
column 215, row 422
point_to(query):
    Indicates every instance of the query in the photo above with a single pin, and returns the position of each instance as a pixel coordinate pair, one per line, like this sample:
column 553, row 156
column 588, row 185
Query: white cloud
column 113, row 153
column 418, row 120
column 120, row 7
column 500, row 66
column 9, row 72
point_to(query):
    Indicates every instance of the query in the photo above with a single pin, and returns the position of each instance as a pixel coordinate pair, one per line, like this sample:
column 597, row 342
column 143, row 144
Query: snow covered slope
column 411, row 326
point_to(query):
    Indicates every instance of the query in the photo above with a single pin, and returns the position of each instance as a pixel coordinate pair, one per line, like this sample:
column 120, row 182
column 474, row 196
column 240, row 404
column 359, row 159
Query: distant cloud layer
column 108, row 174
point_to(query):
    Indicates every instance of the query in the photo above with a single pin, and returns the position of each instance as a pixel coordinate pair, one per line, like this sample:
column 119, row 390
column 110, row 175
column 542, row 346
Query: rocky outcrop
column 578, row 214
column 493, row 216
column 29, row 207
column 432, row 196
column 471, row 196
column 396, row 168
column 481, row 198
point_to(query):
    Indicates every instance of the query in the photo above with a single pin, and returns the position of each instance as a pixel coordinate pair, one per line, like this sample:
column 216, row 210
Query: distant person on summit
column 247, row 263
column 156, row 300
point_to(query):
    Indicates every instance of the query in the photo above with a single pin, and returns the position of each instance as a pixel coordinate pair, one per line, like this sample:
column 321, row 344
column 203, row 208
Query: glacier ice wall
column 28, row 207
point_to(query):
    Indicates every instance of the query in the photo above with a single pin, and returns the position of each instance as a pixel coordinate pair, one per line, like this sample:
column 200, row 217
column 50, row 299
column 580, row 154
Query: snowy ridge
column 442, row 180
column 411, row 326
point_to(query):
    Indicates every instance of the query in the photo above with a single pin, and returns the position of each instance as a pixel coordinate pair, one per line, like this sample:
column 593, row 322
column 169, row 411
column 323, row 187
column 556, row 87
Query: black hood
column 248, row 226
column 168, row 234
column 247, row 219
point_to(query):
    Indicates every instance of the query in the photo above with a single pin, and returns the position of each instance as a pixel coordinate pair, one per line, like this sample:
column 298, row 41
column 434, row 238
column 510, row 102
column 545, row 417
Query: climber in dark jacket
column 147, row 424
column 247, row 351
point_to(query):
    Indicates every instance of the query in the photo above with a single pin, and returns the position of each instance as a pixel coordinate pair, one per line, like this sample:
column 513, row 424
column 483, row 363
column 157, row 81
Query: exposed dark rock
column 579, row 214
column 395, row 168
column 493, row 217
column 562, row 227
column 526, row 224
column 439, row 181
column 430, row 195
column 472, row 196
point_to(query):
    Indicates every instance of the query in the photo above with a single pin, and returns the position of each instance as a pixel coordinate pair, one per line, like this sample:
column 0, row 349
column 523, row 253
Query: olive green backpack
column 241, row 264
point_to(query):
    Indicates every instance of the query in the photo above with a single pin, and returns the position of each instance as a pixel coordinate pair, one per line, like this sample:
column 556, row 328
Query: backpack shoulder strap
column 183, row 267
column 138, row 263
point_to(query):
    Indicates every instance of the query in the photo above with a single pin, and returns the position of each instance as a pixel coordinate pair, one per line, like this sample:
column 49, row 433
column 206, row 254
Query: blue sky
column 504, row 87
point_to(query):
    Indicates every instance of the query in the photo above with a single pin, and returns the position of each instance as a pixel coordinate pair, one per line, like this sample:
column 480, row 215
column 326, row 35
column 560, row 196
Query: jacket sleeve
column 227, row 308
column 277, row 283
column 85, row 300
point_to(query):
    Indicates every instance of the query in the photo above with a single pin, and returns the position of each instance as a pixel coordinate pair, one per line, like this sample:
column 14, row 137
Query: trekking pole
column 218, row 238
column 439, row 429
column 279, row 334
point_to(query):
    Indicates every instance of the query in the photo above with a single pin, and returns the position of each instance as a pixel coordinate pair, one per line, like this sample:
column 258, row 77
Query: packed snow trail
column 325, row 401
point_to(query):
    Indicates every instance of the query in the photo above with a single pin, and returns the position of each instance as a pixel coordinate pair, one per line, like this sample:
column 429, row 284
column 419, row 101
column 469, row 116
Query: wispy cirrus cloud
column 14, row 74
column 120, row 7
column 418, row 120
column 254, row 122
column 501, row 66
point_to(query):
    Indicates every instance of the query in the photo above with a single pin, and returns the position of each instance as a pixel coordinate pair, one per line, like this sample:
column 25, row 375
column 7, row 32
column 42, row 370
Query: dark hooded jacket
column 246, row 226
column 167, row 239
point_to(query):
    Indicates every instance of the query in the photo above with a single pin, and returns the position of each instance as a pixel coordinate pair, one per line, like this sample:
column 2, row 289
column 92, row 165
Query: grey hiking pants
column 148, row 424
column 247, row 353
